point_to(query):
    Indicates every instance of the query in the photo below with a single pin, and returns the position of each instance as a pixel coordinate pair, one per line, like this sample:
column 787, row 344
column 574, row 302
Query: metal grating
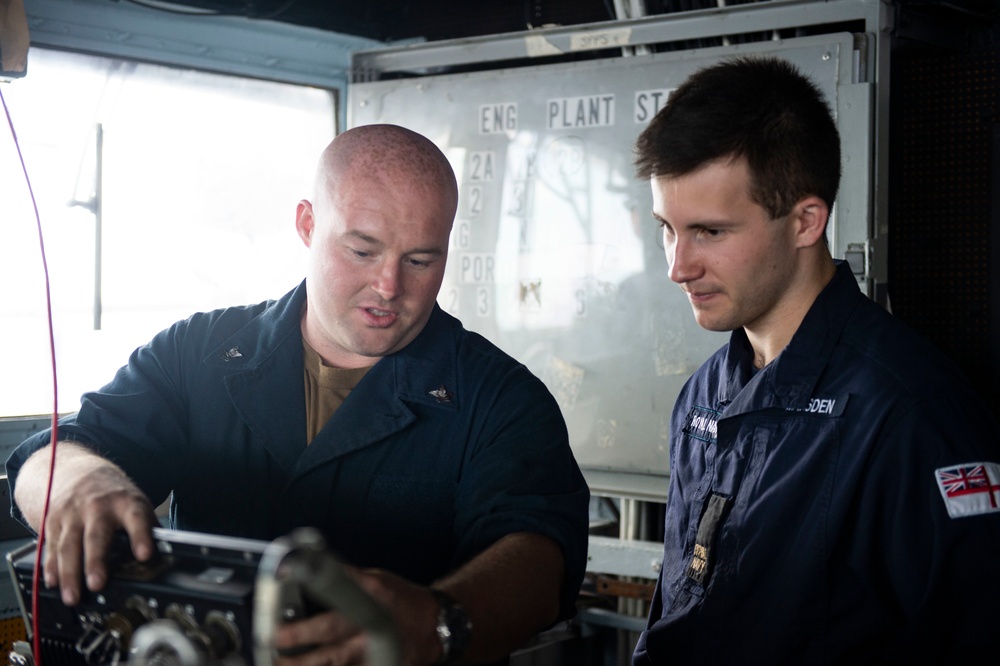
column 944, row 106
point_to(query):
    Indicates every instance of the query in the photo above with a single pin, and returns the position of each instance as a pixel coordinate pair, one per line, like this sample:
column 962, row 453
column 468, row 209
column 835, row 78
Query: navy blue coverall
column 839, row 506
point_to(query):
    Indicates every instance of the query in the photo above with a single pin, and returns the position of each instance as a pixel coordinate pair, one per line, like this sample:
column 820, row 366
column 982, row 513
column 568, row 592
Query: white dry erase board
column 554, row 255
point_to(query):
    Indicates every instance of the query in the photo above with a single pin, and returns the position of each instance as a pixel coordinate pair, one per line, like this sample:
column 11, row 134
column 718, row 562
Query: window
column 200, row 174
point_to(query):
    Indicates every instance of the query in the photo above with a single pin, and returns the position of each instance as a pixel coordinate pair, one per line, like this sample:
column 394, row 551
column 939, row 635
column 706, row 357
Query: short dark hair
column 758, row 108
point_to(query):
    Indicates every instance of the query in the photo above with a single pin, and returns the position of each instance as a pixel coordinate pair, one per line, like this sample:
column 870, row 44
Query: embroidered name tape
column 970, row 489
column 702, row 423
column 824, row 406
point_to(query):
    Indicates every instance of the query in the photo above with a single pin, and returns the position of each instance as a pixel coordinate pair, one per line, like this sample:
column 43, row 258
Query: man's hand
column 340, row 642
column 91, row 499
column 510, row 590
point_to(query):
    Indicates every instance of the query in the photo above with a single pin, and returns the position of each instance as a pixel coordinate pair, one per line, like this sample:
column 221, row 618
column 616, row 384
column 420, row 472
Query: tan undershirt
column 326, row 389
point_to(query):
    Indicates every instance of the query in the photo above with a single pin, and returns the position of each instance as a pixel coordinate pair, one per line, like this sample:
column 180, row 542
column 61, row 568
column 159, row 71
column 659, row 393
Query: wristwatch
column 453, row 627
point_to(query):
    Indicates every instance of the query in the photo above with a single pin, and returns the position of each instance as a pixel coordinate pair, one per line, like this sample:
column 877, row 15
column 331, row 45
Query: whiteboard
column 555, row 256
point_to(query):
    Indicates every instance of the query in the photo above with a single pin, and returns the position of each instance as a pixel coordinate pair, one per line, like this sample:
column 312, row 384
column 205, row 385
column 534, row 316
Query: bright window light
column 200, row 177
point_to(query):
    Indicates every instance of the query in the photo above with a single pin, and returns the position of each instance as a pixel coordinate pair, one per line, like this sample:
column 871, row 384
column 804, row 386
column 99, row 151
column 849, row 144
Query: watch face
column 453, row 627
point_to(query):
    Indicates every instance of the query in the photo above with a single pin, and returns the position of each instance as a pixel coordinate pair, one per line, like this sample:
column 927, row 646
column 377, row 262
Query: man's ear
column 305, row 221
column 811, row 215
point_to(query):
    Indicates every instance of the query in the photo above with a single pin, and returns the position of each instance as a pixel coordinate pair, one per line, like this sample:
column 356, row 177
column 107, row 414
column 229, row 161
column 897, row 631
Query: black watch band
column 453, row 627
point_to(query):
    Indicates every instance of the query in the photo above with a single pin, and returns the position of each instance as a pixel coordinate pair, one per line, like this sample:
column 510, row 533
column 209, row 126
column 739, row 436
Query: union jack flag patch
column 970, row 489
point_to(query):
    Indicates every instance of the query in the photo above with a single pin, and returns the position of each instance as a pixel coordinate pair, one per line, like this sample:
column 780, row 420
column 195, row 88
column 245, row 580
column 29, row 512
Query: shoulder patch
column 970, row 489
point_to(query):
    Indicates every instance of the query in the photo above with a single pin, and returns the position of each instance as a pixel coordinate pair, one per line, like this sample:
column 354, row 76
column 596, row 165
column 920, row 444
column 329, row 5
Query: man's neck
column 769, row 336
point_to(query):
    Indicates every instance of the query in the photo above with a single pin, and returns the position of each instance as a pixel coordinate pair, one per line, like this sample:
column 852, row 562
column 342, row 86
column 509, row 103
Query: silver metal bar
column 604, row 618
column 638, row 559
column 563, row 40
column 645, row 487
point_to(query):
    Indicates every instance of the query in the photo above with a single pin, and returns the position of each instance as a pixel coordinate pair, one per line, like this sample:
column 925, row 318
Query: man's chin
column 376, row 349
column 713, row 324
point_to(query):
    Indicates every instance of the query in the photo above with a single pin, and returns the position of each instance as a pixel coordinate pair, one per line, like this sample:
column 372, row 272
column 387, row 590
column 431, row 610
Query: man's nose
column 387, row 282
column 681, row 259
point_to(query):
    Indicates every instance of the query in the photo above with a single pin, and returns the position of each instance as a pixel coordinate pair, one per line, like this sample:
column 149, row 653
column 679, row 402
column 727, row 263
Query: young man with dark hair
column 834, row 483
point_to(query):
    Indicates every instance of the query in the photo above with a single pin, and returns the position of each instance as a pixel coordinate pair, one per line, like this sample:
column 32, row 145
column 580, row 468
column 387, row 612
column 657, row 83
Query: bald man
column 428, row 458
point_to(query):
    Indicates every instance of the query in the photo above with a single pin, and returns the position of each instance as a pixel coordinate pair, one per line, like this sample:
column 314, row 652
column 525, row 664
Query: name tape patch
column 702, row 423
column 970, row 489
column 824, row 406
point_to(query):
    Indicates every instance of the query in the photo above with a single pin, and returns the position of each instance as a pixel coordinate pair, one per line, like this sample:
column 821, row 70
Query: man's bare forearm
column 74, row 461
column 91, row 498
column 511, row 591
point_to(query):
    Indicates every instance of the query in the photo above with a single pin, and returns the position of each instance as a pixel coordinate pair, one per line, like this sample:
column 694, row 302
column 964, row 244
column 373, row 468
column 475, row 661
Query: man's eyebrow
column 661, row 220
column 436, row 251
column 706, row 223
column 364, row 237
column 428, row 252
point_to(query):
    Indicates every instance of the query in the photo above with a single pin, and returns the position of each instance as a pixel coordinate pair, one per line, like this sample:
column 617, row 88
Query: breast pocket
column 412, row 505
column 412, row 518
column 755, row 500
column 774, row 544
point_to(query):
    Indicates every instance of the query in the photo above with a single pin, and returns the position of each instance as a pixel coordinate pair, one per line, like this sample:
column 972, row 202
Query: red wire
column 36, row 645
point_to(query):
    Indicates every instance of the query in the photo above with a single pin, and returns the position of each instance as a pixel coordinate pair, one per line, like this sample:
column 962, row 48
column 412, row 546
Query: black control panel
column 190, row 604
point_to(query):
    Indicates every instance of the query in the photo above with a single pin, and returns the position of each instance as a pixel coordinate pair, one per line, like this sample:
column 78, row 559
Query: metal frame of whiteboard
column 853, row 83
column 370, row 64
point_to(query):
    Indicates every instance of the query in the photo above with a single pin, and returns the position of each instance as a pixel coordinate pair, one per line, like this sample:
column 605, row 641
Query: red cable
column 36, row 644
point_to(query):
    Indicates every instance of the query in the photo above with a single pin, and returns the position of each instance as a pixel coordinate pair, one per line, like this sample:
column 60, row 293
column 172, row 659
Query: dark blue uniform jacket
column 838, row 507
column 442, row 449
